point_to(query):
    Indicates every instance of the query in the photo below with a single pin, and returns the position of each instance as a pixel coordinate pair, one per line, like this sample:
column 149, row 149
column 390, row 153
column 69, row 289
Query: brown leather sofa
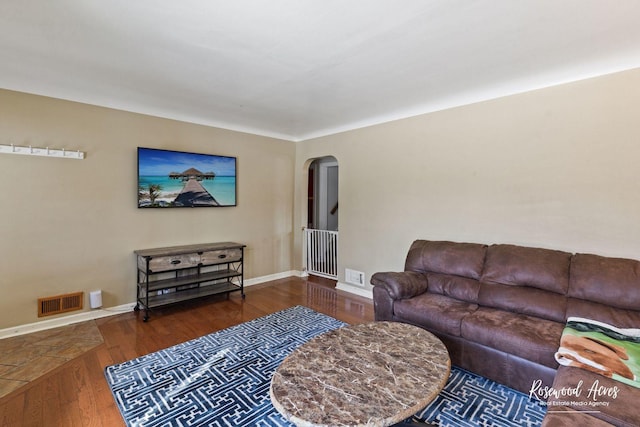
column 501, row 310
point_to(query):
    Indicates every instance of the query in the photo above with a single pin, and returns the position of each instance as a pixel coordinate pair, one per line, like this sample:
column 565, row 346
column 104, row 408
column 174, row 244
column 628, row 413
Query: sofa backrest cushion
column 461, row 288
column 523, row 266
column 610, row 281
column 458, row 259
column 524, row 300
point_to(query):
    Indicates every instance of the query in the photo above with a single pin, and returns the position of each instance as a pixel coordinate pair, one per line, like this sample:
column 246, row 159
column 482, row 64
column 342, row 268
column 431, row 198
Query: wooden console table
column 179, row 273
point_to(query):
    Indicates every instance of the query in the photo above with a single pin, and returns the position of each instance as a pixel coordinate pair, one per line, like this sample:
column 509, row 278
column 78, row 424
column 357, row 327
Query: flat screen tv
column 175, row 179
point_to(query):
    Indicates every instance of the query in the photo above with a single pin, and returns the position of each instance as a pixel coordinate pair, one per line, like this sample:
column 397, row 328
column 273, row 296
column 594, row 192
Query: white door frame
column 323, row 210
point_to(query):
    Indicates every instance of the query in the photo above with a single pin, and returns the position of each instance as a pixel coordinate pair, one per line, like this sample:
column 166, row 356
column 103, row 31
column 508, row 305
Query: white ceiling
column 297, row 69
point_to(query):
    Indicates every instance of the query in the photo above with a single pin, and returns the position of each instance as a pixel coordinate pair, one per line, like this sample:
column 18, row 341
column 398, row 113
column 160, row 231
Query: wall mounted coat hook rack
column 46, row 152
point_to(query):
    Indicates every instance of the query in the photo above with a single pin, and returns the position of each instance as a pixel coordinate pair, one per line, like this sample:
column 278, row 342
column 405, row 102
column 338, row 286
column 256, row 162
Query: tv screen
column 175, row 179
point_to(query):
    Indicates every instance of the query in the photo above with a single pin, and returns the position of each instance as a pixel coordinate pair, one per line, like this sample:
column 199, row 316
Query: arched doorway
column 321, row 234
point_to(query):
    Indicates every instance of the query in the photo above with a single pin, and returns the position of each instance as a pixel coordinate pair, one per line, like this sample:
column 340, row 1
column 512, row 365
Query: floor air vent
column 60, row 304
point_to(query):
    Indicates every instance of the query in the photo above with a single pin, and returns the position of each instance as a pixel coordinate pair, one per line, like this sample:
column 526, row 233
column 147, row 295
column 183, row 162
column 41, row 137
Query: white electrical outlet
column 354, row 277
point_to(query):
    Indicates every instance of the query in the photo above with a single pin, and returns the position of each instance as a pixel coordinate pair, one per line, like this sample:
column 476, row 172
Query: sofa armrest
column 401, row 285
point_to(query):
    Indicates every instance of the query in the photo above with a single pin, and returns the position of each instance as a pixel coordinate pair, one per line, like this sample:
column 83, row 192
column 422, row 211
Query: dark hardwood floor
column 76, row 394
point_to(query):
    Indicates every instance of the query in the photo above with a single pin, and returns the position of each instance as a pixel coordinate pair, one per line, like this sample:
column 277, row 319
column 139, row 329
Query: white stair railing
column 322, row 252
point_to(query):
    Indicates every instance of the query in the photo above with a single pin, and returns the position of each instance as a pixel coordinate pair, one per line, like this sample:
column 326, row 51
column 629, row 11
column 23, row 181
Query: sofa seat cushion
column 603, row 313
column 567, row 417
column 528, row 337
column 434, row 312
column 605, row 398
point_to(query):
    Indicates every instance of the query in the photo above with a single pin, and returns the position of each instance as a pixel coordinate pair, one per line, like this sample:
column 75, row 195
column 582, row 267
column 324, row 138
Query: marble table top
column 371, row 374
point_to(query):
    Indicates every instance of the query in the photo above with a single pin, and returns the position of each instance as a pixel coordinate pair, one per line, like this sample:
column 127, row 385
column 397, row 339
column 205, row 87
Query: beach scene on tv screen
column 179, row 179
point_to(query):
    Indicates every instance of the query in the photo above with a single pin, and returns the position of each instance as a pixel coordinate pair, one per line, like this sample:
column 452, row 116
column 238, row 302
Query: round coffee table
column 371, row 374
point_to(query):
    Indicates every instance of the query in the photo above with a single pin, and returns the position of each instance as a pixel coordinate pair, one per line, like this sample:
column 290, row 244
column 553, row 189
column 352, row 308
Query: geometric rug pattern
column 220, row 379
column 223, row 379
column 469, row 400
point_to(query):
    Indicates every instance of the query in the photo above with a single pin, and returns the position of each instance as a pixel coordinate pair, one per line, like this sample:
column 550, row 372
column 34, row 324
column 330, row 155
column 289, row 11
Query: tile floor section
column 27, row 357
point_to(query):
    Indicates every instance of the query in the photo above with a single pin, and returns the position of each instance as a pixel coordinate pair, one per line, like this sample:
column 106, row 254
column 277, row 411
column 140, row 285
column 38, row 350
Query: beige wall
column 556, row 168
column 69, row 225
column 552, row 168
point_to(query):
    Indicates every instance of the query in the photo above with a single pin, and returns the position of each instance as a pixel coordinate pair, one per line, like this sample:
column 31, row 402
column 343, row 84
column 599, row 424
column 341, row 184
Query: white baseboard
column 65, row 320
column 111, row 311
column 367, row 293
column 270, row 277
column 105, row 312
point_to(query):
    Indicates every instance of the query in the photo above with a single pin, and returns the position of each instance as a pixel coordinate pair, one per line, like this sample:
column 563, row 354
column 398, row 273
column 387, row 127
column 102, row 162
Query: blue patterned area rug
column 223, row 379
column 469, row 400
column 220, row 379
